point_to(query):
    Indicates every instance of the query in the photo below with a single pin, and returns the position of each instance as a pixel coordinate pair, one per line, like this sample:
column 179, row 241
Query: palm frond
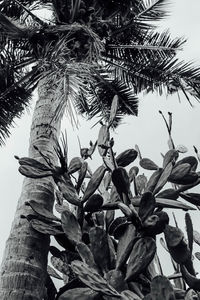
column 165, row 75
column 142, row 18
column 29, row 13
column 12, row 106
column 12, row 9
column 10, row 29
column 99, row 100
column 154, row 47
column 151, row 10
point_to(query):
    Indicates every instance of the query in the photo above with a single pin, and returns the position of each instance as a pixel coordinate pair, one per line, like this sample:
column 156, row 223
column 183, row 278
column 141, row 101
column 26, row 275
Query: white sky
column 148, row 130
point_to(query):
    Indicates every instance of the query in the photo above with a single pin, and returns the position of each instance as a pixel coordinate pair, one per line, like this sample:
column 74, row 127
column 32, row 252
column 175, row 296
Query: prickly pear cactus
column 107, row 242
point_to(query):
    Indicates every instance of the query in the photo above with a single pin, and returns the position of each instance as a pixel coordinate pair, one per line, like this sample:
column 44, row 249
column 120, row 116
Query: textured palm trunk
column 23, row 270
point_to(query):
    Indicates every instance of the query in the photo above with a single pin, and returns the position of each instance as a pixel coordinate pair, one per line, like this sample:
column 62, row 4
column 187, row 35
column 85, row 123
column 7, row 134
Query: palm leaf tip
column 152, row 10
column 12, row 105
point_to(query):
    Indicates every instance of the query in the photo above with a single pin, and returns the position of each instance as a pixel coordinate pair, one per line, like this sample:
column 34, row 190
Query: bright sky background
column 148, row 130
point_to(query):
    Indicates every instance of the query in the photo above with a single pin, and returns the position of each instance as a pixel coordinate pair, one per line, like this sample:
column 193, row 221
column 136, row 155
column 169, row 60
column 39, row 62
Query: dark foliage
column 91, row 50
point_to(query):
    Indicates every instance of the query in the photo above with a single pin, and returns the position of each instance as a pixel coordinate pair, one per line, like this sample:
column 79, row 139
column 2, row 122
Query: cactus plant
column 107, row 256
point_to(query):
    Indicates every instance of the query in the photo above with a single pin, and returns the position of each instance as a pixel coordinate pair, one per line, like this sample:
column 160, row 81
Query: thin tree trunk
column 23, row 270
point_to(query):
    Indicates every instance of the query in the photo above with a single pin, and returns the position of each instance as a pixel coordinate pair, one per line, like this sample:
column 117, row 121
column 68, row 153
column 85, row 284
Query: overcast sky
column 148, row 130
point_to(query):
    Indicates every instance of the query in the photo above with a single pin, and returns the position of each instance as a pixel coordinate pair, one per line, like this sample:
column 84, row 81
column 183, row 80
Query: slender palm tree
column 83, row 55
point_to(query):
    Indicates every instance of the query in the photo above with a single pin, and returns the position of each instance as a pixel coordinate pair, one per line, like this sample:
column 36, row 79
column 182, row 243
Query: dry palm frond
column 74, row 38
column 68, row 85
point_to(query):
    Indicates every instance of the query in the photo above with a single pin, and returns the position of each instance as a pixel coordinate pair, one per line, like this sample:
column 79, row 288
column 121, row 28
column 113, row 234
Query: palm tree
column 83, row 55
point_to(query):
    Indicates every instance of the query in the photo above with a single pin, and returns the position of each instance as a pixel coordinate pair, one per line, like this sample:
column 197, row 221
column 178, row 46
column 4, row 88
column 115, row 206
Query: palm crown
column 92, row 50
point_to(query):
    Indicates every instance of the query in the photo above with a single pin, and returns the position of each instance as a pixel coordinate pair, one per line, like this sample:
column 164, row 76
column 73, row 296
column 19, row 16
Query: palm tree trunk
column 23, row 270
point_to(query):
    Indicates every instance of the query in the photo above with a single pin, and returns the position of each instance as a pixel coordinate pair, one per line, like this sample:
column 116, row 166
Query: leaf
column 75, row 165
column 109, row 217
column 155, row 224
column 161, row 288
column 27, row 161
column 93, row 203
column 71, row 227
column 107, row 181
column 46, row 228
column 53, row 273
column 148, row 164
column 179, row 172
column 125, row 209
column 68, row 190
column 163, row 178
column 116, row 279
column 191, row 280
column 100, row 248
column 121, row 182
column 168, row 194
column 125, row 246
column 170, row 157
column 181, row 149
column 94, row 183
column 193, row 198
column 141, row 255
column 60, row 208
column 112, row 246
column 189, row 160
column 60, row 265
column 113, row 110
column 162, row 202
column 115, row 223
column 133, row 173
column 103, row 139
column 92, row 279
column 78, row 293
column 41, row 210
column 109, row 163
column 141, row 182
column 86, row 254
column 147, row 205
column 32, row 172
column 189, row 229
column 176, row 244
column 138, row 151
column 170, row 143
column 81, row 176
column 196, row 236
column 153, row 180
column 190, row 178
column 126, row 157
column 119, row 230
column 173, row 236
column 129, row 295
